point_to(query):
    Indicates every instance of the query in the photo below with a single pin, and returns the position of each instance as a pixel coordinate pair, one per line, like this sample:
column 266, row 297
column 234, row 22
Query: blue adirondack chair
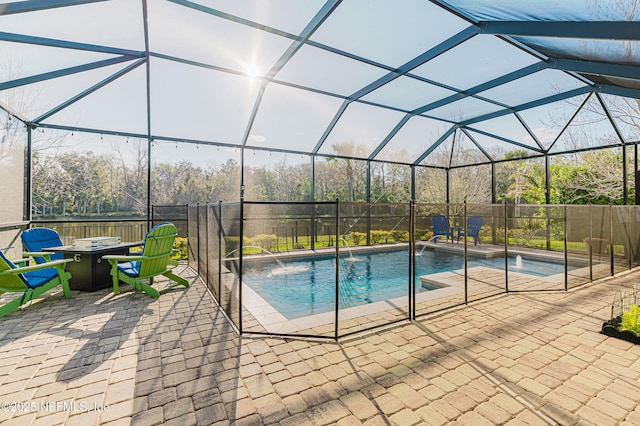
column 474, row 224
column 441, row 228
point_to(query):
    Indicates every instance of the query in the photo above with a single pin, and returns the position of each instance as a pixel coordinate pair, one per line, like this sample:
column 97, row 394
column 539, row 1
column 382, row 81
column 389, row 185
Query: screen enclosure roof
column 381, row 80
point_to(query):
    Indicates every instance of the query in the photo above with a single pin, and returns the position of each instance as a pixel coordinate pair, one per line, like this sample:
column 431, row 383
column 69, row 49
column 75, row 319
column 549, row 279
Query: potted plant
column 625, row 317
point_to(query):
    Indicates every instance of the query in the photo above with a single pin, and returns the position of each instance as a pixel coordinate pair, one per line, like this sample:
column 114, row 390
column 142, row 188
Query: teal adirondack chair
column 155, row 260
column 32, row 280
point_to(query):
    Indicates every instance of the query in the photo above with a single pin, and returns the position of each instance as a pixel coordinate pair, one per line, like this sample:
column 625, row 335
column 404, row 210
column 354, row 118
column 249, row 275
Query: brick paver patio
column 518, row 359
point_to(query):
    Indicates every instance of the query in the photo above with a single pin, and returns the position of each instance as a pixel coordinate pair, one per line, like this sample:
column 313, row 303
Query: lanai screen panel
column 412, row 139
column 82, row 174
column 540, row 84
column 385, row 33
column 188, row 173
column 13, row 139
column 291, row 119
column 321, row 70
column 276, row 176
column 360, row 130
column 489, row 57
column 625, row 116
column 202, row 104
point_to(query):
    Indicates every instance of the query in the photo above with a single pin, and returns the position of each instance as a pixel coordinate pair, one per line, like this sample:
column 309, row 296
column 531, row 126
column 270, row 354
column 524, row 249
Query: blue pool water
column 301, row 287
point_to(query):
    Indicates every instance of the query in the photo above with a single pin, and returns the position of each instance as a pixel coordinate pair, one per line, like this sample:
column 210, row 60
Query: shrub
column 399, row 235
column 423, row 233
column 232, row 244
column 357, row 237
column 182, row 245
column 378, row 236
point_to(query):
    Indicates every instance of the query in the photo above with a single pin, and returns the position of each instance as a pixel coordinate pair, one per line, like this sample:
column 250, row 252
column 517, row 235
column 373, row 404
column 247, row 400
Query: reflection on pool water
column 306, row 286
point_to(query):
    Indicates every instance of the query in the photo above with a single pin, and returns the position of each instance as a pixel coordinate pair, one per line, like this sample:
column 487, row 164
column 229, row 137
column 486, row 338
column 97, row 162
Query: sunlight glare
column 252, row 70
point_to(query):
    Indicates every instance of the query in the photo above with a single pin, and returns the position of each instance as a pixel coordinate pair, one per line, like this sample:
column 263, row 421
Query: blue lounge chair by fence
column 155, row 260
column 32, row 280
column 474, row 224
column 441, row 228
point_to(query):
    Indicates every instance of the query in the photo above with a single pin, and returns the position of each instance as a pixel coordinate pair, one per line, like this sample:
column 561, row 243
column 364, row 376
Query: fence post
column 412, row 261
column 240, row 265
column 219, row 251
column 566, row 254
column 590, row 243
column 466, row 272
column 206, row 246
column 506, row 250
column 337, row 230
column 611, row 238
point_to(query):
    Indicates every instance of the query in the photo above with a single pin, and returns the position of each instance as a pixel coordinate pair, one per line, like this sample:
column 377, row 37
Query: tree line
column 85, row 183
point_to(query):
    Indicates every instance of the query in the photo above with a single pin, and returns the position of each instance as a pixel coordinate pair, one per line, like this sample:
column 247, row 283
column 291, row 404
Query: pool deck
column 517, row 359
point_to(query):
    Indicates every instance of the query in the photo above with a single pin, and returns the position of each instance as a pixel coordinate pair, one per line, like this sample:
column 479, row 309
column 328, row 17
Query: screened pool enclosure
column 282, row 129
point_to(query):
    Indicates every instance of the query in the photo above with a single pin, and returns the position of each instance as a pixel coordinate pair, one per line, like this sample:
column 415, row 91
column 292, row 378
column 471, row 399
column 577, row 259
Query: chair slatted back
column 440, row 223
column 10, row 281
column 474, row 224
column 158, row 246
column 37, row 239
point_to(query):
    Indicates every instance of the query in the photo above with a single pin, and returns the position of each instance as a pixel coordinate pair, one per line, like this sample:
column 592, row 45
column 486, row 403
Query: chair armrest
column 55, row 264
column 45, row 254
column 24, row 261
column 121, row 258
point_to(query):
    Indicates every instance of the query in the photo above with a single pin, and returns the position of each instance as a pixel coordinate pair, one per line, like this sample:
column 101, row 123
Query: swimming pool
column 306, row 286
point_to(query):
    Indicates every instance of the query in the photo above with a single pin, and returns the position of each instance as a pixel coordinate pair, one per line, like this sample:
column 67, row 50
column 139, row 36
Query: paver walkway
column 534, row 358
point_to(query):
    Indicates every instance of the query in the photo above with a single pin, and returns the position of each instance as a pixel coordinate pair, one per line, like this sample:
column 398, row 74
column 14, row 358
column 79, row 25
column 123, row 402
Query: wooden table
column 89, row 272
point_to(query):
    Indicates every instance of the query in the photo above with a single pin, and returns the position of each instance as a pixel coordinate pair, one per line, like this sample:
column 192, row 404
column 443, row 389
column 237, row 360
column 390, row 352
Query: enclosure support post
column 506, row 250
column 547, row 198
column 198, row 227
column 611, row 239
column 312, row 228
column 547, row 182
column 627, row 248
column 337, row 305
column 240, row 262
column 148, row 88
column 28, row 181
column 219, row 250
column 413, row 181
column 625, row 189
column 635, row 169
column 368, row 198
column 412, row 258
column 206, row 247
column 447, row 193
column 566, row 254
column 493, row 183
column 466, row 269
column 590, row 243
